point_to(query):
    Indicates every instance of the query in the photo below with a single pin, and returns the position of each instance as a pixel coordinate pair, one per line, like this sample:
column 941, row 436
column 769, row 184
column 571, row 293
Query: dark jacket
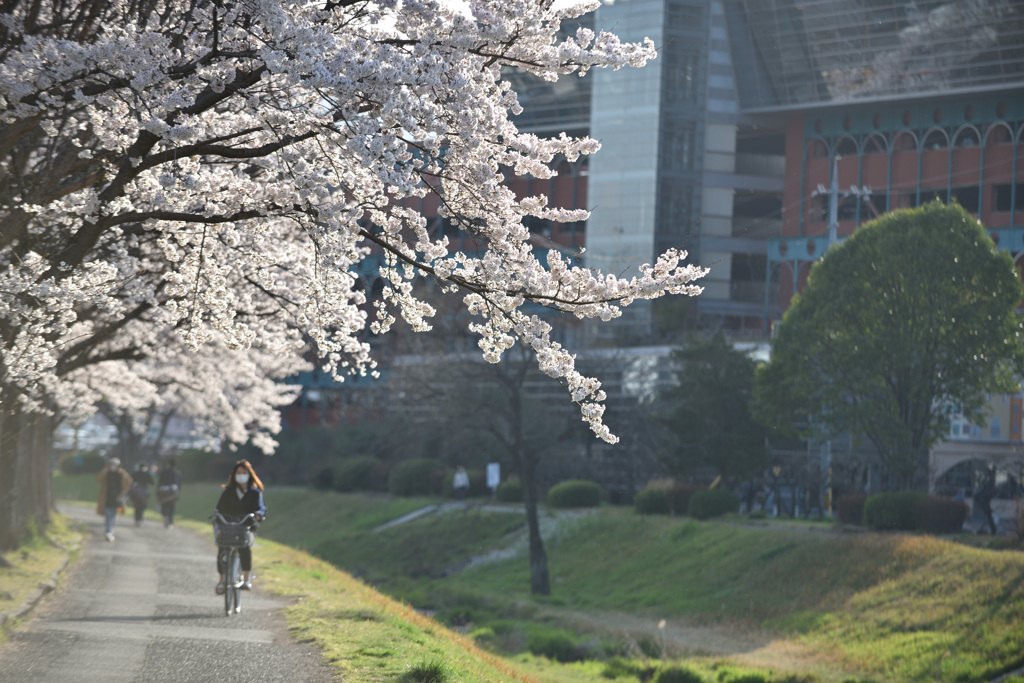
column 233, row 507
column 168, row 476
column 142, row 477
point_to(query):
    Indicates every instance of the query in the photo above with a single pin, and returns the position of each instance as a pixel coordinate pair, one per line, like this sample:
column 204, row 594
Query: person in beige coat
column 114, row 484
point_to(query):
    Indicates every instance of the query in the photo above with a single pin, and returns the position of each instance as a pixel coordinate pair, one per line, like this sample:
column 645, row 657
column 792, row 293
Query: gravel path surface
column 142, row 609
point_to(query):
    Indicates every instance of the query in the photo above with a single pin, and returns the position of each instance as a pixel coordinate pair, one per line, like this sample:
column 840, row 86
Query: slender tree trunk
column 540, row 584
column 10, row 532
column 42, row 469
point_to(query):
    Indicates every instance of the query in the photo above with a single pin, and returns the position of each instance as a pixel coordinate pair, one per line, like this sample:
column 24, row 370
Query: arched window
column 935, row 139
column 847, row 147
column 998, row 134
column 818, row 149
column 905, row 142
column 874, row 144
column 967, row 137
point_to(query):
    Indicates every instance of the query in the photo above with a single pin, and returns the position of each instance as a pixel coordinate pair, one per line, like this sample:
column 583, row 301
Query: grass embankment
column 892, row 606
column 362, row 633
column 33, row 563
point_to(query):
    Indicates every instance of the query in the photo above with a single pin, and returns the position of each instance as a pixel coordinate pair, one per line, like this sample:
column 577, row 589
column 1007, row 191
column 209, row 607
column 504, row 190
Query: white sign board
column 493, row 475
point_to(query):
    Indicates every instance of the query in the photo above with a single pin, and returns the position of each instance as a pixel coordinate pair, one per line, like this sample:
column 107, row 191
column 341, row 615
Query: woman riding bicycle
column 243, row 495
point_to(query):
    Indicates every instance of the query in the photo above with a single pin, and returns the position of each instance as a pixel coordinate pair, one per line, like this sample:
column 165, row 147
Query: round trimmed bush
column 554, row 645
column 510, row 491
column 652, row 501
column 850, row 508
column 892, row 510
column 713, row 503
column 413, row 477
column 575, row 493
column 354, row 474
column 939, row 515
column 678, row 674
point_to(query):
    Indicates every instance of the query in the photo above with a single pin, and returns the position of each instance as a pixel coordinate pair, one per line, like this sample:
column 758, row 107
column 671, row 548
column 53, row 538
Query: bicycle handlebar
column 217, row 516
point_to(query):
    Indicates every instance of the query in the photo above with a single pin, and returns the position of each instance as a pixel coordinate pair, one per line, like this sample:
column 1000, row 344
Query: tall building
column 894, row 104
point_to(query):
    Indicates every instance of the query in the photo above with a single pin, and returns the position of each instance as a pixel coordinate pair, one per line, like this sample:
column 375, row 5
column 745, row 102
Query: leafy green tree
column 709, row 413
column 910, row 316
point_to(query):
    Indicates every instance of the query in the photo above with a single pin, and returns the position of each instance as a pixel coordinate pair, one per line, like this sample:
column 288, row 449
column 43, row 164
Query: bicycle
column 230, row 536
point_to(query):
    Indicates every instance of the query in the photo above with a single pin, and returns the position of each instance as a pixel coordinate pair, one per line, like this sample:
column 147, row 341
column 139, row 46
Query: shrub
column 87, row 462
column 651, row 501
column 434, row 671
column 713, row 503
column 678, row 674
column 413, row 477
column 575, row 493
column 893, row 510
column 620, row 667
column 354, row 474
column 554, row 645
column 510, row 491
column 679, row 496
column 321, row 477
column 939, row 515
column 850, row 508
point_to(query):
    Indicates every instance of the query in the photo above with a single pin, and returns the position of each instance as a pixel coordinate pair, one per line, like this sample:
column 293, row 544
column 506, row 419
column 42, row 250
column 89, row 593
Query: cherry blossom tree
column 216, row 168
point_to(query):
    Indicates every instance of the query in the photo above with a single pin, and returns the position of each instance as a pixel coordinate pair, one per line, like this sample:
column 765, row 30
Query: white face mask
column 242, row 478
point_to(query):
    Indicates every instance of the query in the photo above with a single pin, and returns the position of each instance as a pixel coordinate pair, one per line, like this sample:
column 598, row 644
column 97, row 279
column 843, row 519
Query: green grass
column 890, row 606
column 32, row 563
column 365, row 635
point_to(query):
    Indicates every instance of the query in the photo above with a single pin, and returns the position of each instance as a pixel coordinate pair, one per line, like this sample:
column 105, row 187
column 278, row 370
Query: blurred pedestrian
column 114, row 484
column 168, row 490
column 142, row 479
column 460, row 483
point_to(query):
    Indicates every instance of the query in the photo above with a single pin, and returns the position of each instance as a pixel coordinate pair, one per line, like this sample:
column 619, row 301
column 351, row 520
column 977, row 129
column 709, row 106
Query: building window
column 998, row 134
column 847, row 147
column 994, row 428
column 678, row 144
column 967, row 197
column 905, row 142
column 906, row 200
column 956, row 429
column 1004, row 195
column 819, row 150
column 682, row 71
column 685, row 17
column 874, row 145
column 935, row 140
column 968, row 137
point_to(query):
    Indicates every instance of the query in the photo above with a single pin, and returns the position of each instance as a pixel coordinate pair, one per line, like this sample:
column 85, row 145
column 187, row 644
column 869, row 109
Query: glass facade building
column 803, row 53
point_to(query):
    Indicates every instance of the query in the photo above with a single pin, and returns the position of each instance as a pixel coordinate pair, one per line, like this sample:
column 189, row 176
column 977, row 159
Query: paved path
column 142, row 609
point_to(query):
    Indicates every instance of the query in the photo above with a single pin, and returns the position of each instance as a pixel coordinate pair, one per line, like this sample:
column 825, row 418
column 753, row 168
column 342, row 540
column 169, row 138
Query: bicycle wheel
column 230, row 578
column 236, row 584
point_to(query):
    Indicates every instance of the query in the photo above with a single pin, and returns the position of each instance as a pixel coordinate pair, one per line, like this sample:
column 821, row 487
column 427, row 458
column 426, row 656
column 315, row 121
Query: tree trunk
column 10, row 532
column 26, row 472
column 540, row 584
column 42, row 469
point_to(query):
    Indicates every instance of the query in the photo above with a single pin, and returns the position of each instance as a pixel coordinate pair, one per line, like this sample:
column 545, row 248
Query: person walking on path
column 139, row 491
column 460, row 482
column 135, row 612
column 168, row 490
column 114, row 483
column 243, row 495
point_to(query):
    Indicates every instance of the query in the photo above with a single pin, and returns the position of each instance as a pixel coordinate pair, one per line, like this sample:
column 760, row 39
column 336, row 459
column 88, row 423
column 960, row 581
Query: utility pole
column 833, row 193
